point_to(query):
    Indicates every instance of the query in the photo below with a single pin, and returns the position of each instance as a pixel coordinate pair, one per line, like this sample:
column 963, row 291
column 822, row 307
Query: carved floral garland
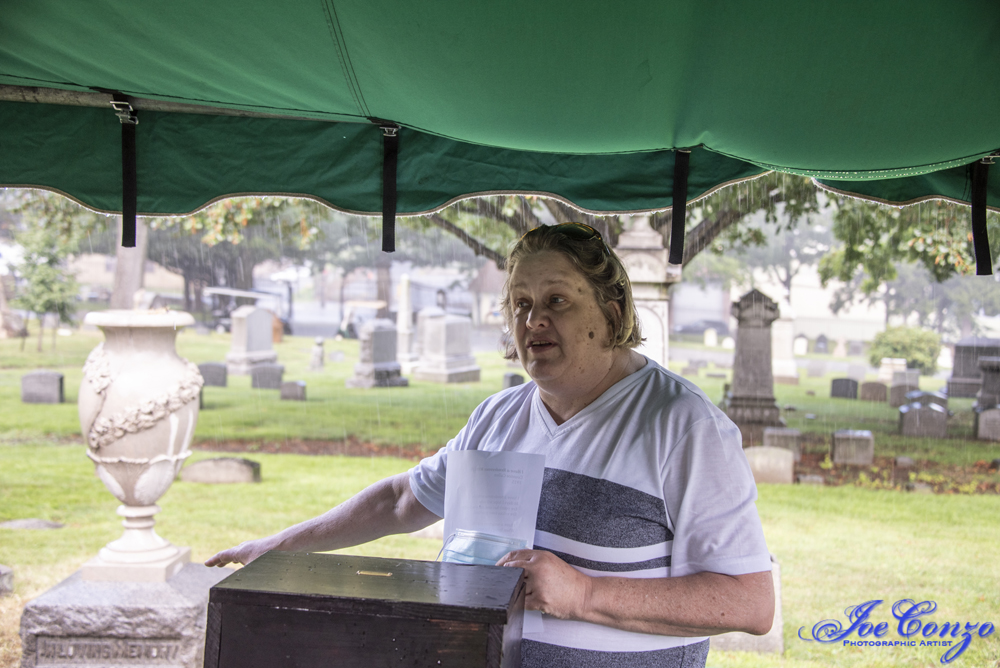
column 107, row 430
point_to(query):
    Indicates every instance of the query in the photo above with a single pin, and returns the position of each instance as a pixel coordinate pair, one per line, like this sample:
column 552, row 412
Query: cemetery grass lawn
column 425, row 415
column 837, row 546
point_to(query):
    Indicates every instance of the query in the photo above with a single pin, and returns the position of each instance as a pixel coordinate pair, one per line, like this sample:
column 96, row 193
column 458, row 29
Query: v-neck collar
column 542, row 412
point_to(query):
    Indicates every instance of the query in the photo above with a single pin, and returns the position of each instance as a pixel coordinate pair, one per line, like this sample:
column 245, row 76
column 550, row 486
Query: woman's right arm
column 387, row 507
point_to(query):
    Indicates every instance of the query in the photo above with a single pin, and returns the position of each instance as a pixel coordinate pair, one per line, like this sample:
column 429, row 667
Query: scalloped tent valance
column 585, row 101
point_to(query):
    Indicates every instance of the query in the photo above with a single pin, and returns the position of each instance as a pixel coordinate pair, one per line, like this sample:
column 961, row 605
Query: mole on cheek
column 590, row 334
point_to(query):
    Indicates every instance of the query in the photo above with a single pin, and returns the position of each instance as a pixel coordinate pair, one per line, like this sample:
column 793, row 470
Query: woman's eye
column 557, row 300
column 520, row 303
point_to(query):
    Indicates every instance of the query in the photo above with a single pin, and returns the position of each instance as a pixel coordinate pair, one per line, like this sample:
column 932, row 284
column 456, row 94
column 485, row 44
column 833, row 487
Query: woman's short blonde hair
column 596, row 262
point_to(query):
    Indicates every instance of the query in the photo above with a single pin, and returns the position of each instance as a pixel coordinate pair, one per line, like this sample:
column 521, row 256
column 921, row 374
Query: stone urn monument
column 138, row 407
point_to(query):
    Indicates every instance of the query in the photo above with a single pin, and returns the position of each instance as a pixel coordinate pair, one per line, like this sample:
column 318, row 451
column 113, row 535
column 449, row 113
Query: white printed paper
column 493, row 492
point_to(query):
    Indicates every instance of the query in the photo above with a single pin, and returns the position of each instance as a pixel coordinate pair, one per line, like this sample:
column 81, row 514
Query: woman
column 647, row 536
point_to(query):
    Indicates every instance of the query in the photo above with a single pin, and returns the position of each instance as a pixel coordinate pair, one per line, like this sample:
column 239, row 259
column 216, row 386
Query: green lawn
column 837, row 546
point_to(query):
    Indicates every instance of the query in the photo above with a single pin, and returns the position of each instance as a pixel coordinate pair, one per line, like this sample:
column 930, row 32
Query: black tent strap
column 390, row 156
column 130, row 191
column 682, row 161
column 980, row 237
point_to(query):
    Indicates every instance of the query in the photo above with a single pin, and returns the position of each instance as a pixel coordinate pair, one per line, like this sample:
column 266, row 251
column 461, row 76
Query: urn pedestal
column 138, row 406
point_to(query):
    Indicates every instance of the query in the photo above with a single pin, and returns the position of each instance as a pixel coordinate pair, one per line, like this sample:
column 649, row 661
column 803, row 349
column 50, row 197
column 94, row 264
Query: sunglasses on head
column 576, row 231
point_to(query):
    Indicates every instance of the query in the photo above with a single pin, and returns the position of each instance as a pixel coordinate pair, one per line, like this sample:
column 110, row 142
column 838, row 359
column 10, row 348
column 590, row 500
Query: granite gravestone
column 822, row 345
column 6, row 580
column 750, row 403
column 317, row 358
column 966, row 376
column 923, row 421
column 222, row 470
column 293, row 390
column 874, row 391
column 406, row 354
column 252, row 340
column 42, row 387
column 897, row 394
column 906, row 377
column 844, row 388
column 988, row 424
column 800, row 346
column 80, row 622
column 711, row 338
column 512, row 379
column 446, row 348
column 853, row 446
column 214, row 373
column 816, row 369
column 888, row 367
column 266, row 376
column 840, row 350
column 855, row 348
column 728, row 343
column 771, row 465
column 778, row 437
column 989, row 393
column 377, row 366
column 924, row 397
column 783, row 366
column 857, row 372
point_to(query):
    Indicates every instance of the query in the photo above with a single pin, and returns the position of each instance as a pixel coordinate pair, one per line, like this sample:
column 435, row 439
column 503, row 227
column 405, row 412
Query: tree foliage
column 918, row 346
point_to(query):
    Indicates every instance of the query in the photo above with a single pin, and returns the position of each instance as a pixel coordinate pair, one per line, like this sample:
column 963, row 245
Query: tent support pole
column 980, row 237
column 682, row 161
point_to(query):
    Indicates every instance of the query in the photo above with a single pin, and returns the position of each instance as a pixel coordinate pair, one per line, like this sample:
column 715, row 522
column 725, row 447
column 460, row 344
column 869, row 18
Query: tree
column 49, row 286
column 914, row 259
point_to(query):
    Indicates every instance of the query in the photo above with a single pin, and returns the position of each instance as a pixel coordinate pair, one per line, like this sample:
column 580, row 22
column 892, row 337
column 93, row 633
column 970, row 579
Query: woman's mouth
column 540, row 346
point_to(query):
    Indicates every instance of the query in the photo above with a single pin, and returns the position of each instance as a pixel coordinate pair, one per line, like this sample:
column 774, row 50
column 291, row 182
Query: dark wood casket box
column 303, row 609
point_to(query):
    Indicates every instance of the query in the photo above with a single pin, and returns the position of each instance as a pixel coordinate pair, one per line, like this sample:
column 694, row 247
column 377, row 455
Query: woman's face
column 561, row 335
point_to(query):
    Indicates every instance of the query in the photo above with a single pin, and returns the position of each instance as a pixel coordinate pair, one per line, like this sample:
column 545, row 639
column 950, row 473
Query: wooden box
column 302, row 609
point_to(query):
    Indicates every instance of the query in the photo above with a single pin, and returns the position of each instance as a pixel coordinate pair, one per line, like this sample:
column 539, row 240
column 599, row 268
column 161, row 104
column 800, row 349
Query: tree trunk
column 41, row 320
column 130, row 267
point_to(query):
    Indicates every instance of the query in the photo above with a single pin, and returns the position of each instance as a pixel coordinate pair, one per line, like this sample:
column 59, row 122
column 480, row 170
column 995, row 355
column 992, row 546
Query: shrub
column 919, row 346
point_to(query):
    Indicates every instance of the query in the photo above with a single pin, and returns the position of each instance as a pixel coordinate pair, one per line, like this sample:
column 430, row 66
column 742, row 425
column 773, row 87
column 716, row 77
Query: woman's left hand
column 552, row 585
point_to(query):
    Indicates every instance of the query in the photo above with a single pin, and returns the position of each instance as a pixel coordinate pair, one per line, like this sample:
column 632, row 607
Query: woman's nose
column 537, row 316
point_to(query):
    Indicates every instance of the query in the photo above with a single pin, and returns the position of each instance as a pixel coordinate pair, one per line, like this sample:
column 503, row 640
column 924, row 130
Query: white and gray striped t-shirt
column 648, row 481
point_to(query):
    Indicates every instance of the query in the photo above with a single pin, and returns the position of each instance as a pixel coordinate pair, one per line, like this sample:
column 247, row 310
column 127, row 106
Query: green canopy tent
column 589, row 102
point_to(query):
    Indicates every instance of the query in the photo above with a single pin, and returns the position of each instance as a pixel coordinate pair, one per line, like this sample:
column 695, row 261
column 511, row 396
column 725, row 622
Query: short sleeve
column 710, row 496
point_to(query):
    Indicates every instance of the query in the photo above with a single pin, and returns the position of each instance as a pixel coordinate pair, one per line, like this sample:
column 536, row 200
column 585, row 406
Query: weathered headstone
column 770, row 642
column 924, row 397
column 855, row 348
column 809, row 479
column 906, row 377
column 897, row 394
column 944, row 358
column 904, row 462
column 293, row 390
column 406, row 353
column 6, row 578
column 989, row 392
column 267, row 376
column 783, row 366
column 889, row 366
column 840, row 350
column 966, row 376
column 853, row 446
column 317, row 358
column 751, row 403
column 844, row 388
column 822, row 345
column 215, row 374
column 779, row 437
column 923, row 421
column 874, row 391
column 252, row 340
column 222, row 470
column 42, row 387
column 377, row 366
column 988, row 424
column 816, row 369
column 711, row 338
column 120, row 623
column 689, row 370
column 512, row 379
column 800, row 346
column 771, row 465
column 729, row 343
column 857, row 372
column 446, row 348
column 641, row 250
column 336, row 356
